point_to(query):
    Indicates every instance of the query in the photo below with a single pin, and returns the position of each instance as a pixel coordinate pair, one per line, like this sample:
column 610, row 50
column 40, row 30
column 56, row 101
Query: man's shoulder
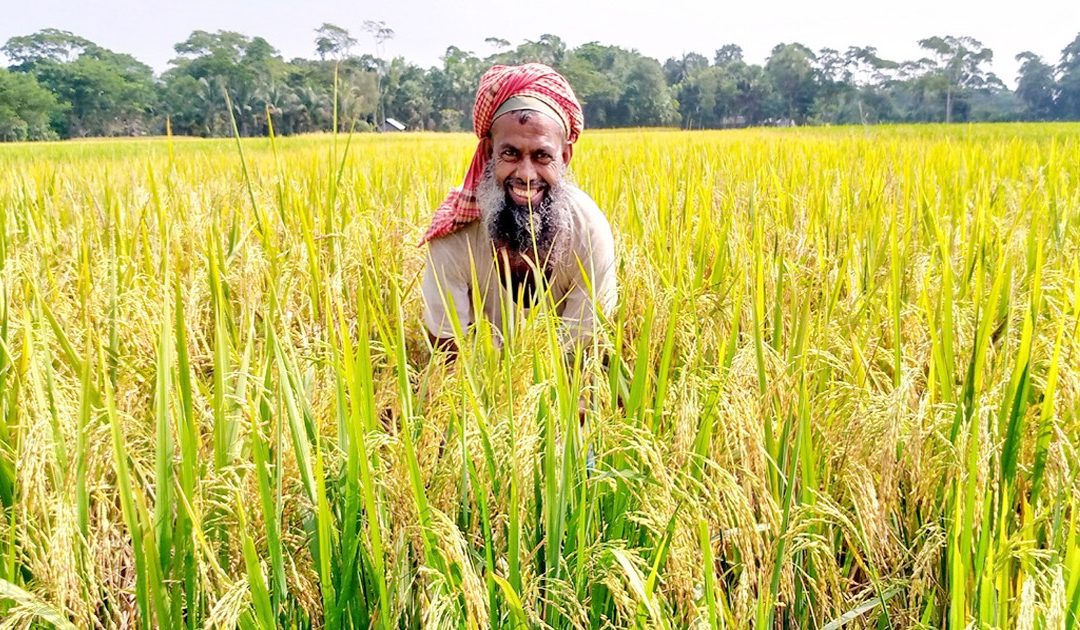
column 592, row 234
column 586, row 207
column 459, row 241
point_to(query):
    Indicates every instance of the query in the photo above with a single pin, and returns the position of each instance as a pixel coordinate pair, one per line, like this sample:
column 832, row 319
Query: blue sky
column 424, row 28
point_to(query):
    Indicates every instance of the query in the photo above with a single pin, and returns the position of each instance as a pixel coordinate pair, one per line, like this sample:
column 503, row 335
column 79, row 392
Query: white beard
column 544, row 229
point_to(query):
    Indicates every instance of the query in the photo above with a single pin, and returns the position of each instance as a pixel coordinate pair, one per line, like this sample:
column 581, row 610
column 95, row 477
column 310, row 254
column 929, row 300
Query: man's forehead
column 522, row 125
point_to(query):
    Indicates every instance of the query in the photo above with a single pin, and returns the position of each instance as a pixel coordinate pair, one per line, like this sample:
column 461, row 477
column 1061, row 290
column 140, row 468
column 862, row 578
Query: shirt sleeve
column 445, row 286
column 594, row 289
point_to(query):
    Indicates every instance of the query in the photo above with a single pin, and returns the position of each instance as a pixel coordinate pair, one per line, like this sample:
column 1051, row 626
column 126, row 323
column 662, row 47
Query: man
column 518, row 231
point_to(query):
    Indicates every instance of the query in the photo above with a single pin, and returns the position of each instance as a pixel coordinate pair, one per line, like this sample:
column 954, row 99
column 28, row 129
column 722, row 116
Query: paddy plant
column 840, row 388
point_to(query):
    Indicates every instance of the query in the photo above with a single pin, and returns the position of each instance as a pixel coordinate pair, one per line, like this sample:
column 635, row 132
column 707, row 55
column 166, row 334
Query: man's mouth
column 525, row 195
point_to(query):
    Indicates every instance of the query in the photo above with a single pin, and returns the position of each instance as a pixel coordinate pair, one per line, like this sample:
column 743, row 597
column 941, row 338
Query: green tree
column 594, row 70
column 871, row 78
column 26, row 108
column 790, row 67
column 677, row 70
column 619, row 87
column 708, row 95
column 222, row 62
column 333, row 40
column 745, row 93
column 1068, row 99
column 957, row 67
column 408, row 98
column 107, row 96
column 50, row 44
column 646, row 100
column 696, row 94
column 756, row 100
column 106, row 93
column 866, row 69
column 497, row 43
column 453, row 89
column 312, row 81
column 191, row 105
column 215, row 62
column 1035, row 86
column 548, row 49
column 728, row 54
column 836, row 91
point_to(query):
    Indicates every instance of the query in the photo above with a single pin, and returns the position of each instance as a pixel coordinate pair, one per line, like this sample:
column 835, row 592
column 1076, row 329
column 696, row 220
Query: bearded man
column 518, row 230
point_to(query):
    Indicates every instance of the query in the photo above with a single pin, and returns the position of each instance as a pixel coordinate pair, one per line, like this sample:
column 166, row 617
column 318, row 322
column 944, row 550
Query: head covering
column 515, row 103
column 546, row 91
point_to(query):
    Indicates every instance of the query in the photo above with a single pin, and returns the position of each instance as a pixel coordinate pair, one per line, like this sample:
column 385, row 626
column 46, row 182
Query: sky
column 148, row 29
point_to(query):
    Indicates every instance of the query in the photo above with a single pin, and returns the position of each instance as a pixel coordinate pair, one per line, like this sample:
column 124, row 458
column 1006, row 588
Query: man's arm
column 595, row 288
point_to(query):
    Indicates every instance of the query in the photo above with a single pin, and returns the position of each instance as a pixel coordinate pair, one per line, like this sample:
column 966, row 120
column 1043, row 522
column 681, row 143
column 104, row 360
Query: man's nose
column 527, row 171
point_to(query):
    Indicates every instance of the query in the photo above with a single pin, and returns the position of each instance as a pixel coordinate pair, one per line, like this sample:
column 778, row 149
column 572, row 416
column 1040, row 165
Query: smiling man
column 518, row 230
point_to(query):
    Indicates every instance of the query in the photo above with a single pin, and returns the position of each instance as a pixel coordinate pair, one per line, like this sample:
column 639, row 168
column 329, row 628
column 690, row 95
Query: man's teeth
column 525, row 193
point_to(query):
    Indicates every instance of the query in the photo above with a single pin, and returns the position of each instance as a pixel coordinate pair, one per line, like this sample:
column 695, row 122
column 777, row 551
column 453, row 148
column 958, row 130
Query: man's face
column 530, row 154
column 521, row 196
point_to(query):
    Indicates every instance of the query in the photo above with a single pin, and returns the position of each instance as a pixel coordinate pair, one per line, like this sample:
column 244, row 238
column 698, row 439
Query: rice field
column 842, row 388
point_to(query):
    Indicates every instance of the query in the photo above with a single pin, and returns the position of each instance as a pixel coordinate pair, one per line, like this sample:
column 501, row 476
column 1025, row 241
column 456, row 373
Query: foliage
column 1036, row 86
column 333, row 40
column 106, row 93
column 1068, row 99
column 26, row 108
column 791, row 70
column 957, row 68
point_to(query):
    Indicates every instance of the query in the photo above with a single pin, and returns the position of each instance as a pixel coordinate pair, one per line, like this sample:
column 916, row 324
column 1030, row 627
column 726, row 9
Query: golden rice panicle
column 841, row 389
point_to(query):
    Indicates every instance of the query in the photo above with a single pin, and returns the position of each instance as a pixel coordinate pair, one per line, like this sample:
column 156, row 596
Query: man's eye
column 543, row 158
column 509, row 153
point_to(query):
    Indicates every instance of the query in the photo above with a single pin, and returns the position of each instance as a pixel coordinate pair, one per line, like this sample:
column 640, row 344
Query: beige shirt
column 581, row 284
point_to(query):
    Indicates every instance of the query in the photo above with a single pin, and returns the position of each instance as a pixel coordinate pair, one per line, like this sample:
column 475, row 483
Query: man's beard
column 538, row 233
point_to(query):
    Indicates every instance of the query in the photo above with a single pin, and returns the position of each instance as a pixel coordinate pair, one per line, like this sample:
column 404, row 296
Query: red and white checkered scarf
column 496, row 86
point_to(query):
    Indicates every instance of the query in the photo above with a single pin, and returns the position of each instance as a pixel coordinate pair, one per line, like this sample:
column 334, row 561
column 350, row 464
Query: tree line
column 60, row 85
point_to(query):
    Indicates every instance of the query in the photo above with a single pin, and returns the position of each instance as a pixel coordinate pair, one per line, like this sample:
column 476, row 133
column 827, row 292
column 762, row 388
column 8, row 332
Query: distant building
column 391, row 125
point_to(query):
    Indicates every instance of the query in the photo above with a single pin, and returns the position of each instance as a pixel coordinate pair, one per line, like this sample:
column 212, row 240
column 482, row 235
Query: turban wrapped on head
column 500, row 84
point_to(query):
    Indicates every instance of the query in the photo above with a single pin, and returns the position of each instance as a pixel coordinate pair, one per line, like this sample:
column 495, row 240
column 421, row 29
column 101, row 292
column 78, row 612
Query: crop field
column 841, row 388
